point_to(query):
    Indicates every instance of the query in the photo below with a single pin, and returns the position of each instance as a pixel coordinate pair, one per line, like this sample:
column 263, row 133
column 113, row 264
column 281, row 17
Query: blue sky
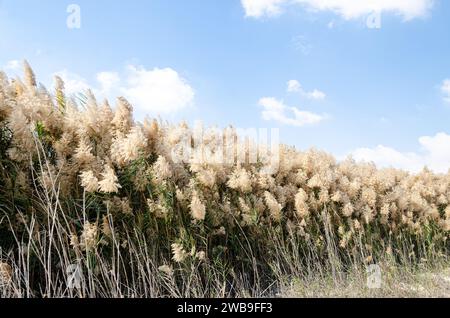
column 379, row 92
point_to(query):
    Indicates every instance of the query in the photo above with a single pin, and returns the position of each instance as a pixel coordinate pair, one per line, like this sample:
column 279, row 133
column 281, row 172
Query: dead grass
column 397, row 282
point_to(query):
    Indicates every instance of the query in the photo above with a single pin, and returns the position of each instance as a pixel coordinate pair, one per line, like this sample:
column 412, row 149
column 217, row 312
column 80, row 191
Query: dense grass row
column 82, row 184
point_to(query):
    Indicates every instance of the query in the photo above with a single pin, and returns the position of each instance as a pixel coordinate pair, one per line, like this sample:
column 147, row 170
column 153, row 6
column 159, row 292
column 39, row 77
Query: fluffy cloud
column 108, row 82
column 348, row 9
column 445, row 88
column 294, row 86
column 434, row 153
column 150, row 91
column 157, row 90
column 276, row 110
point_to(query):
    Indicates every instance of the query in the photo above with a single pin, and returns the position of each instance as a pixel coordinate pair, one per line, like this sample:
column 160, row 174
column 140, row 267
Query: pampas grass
column 84, row 187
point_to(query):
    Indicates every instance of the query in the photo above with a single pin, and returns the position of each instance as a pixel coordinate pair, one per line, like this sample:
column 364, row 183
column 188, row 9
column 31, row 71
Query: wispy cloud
column 260, row 8
column 348, row 9
column 302, row 44
column 13, row 67
column 276, row 110
column 445, row 89
column 294, row 86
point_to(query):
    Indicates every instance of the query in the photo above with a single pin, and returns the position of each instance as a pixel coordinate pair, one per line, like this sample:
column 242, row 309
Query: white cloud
column 434, row 153
column 276, row 110
column 259, row 8
column 315, row 94
column 13, row 68
column 108, row 81
column 149, row 91
column 294, row 86
column 388, row 157
column 73, row 83
column 13, row 65
column 157, row 90
column 445, row 88
column 348, row 9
